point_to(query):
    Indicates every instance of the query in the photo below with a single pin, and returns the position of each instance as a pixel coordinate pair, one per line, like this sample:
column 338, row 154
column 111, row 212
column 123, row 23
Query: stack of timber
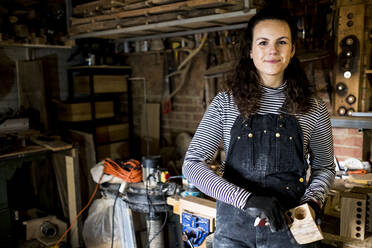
column 103, row 15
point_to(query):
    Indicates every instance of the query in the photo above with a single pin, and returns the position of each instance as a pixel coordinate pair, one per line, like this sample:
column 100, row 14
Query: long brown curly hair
column 245, row 84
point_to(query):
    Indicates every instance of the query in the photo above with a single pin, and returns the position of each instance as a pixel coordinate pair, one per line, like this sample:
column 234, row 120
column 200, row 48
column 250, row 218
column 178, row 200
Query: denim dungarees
column 266, row 157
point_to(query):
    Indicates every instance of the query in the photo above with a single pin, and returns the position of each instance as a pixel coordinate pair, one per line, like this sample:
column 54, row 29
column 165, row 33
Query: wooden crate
column 101, row 84
column 82, row 111
column 117, row 150
column 112, row 132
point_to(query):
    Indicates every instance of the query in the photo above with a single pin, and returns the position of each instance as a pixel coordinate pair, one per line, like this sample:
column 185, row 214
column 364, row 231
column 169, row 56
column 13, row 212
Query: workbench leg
column 72, row 173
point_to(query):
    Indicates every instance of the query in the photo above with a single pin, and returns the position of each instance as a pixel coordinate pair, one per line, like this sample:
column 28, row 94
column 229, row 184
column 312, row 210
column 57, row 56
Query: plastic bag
column 97, row 230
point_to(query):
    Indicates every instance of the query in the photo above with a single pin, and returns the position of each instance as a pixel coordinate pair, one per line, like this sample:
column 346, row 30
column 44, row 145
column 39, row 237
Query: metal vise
column 195, row 229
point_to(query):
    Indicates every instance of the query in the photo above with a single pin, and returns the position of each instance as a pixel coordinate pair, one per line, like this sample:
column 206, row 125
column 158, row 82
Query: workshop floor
column 30, row 244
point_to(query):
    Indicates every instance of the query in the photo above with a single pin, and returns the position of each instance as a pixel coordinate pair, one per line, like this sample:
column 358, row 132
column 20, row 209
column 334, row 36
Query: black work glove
column 266, row 207
column 317, row 210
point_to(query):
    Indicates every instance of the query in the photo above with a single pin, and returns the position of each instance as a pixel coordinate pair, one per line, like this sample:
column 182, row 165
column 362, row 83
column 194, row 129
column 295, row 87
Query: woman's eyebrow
column 264, row 38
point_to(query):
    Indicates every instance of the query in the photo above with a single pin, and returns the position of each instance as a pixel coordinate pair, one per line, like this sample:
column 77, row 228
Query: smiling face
column 272, row 49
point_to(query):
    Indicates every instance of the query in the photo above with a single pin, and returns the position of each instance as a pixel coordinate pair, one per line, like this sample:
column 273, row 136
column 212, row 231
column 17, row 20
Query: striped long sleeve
column 216, row 125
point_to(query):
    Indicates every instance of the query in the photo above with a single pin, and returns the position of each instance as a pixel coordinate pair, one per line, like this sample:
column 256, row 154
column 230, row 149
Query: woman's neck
column 272, row 81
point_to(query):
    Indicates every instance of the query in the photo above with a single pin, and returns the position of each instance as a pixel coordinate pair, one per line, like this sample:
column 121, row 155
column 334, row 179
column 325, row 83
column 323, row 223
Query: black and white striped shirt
column 216, row 125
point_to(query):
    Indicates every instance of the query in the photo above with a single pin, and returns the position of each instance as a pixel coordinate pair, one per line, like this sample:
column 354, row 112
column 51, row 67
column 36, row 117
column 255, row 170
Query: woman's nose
column 273, row 49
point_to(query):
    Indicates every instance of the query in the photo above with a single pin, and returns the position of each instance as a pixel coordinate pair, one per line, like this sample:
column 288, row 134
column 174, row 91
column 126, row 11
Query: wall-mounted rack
column 152, row 23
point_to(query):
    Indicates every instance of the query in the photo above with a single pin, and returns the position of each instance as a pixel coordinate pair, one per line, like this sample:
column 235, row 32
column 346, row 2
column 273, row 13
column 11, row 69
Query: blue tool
column 196, row 228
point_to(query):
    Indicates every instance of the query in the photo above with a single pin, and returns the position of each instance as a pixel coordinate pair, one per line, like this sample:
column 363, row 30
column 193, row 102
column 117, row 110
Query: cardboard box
column 113, row 132
column 101, row 83
column 82, row 111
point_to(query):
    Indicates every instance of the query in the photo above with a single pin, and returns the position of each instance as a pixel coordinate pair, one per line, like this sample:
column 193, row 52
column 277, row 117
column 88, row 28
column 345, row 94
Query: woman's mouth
column 273, row 61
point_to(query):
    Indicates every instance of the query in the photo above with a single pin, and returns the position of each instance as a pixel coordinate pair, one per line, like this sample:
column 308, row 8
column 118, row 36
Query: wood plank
column 174, row 201
column 23, row 152
column 139, row 5
column 54, row 145
column 304, row 228
column 150, row 129
column 87, row 160
column 97, row 8
column 123, row 67
column 14, row 44
column 198, row 205
column 129, row 22
column 361, row 178
column 353, row 215
column 155, row 10
column 160, row 2
column 132, row 1
column 91, row 7
column 240, row 16
column 368, row 192
column 72, row 200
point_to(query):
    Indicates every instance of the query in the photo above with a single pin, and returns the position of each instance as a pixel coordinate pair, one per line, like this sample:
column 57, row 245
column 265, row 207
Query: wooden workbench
column 329, row 238
column 65, row 165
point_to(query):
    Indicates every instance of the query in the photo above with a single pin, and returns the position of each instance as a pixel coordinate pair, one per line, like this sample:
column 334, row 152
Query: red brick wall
column 348, row 142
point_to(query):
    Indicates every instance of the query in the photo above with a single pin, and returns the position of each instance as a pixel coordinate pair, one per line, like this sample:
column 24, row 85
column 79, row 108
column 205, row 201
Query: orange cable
column 77, row 216
column 133, row 175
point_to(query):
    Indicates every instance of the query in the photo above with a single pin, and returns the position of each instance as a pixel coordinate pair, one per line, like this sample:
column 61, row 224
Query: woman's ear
column 250, row 54
column 293, row 50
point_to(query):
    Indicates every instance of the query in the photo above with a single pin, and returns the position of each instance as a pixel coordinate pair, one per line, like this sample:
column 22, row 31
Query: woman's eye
column 283, row 42
column 262, row 43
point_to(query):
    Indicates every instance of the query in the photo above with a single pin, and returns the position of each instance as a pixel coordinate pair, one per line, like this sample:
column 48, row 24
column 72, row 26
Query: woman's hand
column 266, row 207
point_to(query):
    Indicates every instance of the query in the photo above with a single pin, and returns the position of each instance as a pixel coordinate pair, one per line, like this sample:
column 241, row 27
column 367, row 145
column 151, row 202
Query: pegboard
column 349, row 67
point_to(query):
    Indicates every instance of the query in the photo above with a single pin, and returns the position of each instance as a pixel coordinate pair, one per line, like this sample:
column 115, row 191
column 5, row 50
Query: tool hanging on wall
column 182, row 70
column 167, row 84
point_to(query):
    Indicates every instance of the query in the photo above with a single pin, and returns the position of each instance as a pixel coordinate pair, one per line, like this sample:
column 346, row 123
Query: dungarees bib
column 266, row 157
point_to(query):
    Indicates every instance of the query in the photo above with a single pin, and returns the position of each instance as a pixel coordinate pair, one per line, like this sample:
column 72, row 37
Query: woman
column 271, row 125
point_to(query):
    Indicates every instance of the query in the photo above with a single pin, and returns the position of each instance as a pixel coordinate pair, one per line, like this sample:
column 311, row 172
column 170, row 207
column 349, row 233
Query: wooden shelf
column 11, row 44
column 111, row 133
column 202, row 24
column 80, row 67
column 351, row 122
